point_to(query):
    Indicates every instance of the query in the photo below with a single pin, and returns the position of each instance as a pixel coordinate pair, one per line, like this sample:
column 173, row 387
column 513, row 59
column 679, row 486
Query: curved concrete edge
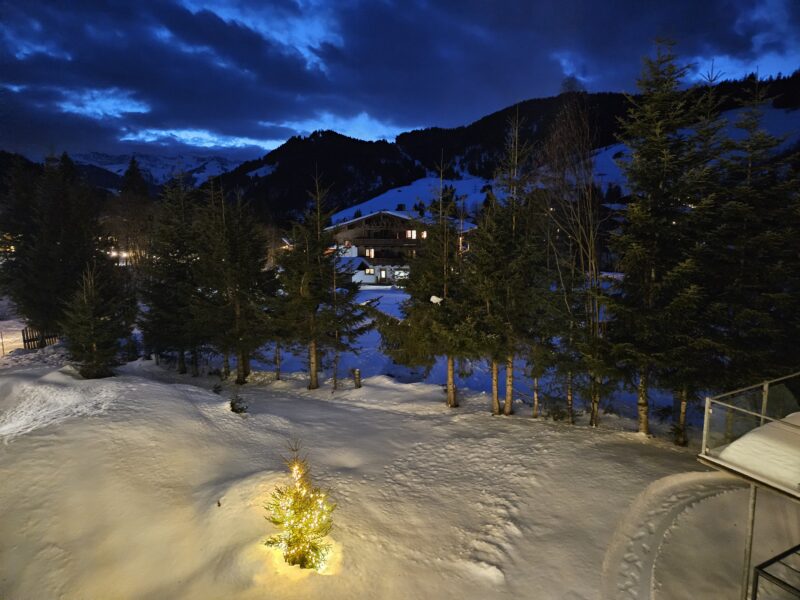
column 631, row 556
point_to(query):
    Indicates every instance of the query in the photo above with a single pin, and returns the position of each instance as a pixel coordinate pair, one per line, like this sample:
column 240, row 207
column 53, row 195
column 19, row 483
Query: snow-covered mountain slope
column 778, row 122
column 402, row 199
column 162, row 168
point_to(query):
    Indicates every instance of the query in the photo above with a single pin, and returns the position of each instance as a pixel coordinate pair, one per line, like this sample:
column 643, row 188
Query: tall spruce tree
column 750, row 253
column 128, row 218
column 321, row 309
column 99, row 315
column 505, row 283
column 653, row 235
column 235, row 288
column 52, row 225
column 168, row 285
column 691, row 358
column 438, row 320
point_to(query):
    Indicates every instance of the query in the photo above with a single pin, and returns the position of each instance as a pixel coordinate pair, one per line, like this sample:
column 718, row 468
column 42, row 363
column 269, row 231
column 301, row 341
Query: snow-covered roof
column 354, row 263
column 463, row 226
column 400, row 215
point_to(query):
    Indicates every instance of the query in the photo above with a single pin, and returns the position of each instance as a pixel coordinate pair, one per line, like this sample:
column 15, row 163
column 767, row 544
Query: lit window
column 383, row 273
column 424, row 235
column 411, row 234
column 369, row 252
column 369, row 271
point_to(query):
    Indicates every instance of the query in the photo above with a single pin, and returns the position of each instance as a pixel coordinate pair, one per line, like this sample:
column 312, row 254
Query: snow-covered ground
column 146, row 485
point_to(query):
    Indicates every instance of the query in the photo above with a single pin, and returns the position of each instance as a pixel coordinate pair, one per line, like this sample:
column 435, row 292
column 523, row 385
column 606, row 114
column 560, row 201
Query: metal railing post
column 748, row 542
column 706, row 413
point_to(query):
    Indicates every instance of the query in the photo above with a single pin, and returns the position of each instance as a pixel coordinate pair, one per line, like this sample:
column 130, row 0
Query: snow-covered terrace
column 754, row 433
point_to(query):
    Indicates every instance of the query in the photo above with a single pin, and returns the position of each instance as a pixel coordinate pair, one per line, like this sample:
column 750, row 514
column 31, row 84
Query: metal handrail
column 756, row 386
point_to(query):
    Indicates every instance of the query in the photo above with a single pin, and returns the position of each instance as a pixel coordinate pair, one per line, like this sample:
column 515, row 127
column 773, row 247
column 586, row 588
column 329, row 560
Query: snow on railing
column 754, row 432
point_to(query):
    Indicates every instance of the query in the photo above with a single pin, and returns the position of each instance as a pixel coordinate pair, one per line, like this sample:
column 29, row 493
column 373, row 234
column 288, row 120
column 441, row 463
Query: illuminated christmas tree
column 304, row 515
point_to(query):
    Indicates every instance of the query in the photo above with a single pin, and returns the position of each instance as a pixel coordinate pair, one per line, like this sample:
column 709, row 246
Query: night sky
column 238, row 78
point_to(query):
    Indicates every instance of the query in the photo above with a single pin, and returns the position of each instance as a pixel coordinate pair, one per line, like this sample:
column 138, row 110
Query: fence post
column 2, row 345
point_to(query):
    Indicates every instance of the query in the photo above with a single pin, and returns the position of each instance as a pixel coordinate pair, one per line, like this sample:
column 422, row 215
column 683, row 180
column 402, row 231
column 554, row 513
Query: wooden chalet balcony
column 383, row 242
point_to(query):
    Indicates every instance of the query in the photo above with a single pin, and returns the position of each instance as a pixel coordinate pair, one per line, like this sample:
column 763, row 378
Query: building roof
column 465, row 226
column 392, row 213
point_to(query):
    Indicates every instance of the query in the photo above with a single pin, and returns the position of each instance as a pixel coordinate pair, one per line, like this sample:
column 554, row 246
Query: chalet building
column 379, row 245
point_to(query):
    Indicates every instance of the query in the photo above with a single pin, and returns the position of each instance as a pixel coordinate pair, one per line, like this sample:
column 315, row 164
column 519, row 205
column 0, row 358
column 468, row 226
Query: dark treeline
column 705, row 293
column 195, row 270
column 701, row 242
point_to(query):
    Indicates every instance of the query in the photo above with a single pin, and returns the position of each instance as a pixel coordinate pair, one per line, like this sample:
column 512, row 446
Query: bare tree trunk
column 336, row 371
column 226, row 365
column 508, row 405
column 681, row 438
column 246, row 362
column 241, row 367
column 594, row 418
column 642, row 404
column 313, row 367
column 181, row 362
column 452, row 398
column 195, row 363
column 535, row 413
column 570, row 400
column 495, row 391
column 277, row 362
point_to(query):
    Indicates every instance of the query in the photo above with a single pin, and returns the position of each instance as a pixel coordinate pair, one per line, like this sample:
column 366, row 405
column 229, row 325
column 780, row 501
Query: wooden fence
column 31, row 337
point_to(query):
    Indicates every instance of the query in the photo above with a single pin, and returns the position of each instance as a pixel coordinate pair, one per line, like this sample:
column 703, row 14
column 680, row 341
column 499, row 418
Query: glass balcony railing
column 755, row 433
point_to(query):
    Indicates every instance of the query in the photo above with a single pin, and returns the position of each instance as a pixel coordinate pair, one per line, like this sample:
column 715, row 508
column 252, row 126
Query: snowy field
column 146, row 485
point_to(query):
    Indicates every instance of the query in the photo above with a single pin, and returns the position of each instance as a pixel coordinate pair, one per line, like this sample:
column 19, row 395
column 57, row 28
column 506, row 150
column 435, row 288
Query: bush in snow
column 238, row 405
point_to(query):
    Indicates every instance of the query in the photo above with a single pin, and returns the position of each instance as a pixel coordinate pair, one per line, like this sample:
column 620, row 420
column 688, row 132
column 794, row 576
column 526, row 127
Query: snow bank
column 33, row 403
column 769, row 453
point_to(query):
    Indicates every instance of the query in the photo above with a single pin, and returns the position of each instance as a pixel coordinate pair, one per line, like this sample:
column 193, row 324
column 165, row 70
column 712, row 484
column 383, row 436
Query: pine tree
column 133, row 182
column 129, row 218
column 168, row 285
column 52, row 225
column 691, row 359
column 652, row 239
column 504, row 277
column 235, row 288
column 437, row 317
column 749, row 255
column 99, row 315
column 321, row 309
column 304, row 514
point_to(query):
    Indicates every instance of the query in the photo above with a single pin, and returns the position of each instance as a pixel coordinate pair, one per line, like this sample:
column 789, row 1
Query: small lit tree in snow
column 304, row 515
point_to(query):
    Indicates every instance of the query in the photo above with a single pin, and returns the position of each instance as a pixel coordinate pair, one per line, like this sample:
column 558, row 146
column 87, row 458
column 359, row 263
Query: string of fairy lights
column 304, row 515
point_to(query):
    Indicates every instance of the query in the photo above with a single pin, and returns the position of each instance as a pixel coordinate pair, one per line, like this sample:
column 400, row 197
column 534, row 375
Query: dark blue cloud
column 246, row 74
